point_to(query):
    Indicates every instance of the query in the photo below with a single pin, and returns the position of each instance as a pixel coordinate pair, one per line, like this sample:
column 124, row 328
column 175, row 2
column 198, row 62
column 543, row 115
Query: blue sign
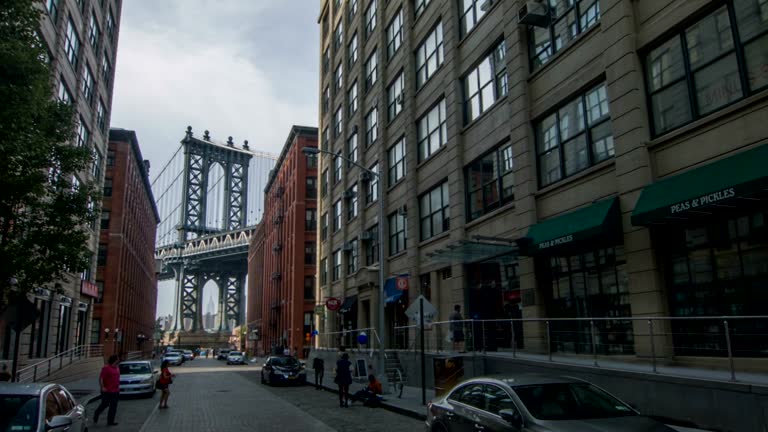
column 362, row 338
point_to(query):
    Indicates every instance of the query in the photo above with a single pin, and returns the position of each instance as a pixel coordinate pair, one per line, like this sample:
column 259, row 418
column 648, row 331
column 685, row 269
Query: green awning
column 594, row 224
column 465, row 252
column 700, row 190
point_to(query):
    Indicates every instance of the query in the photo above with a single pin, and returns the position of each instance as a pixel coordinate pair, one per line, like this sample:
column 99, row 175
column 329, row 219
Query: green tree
column 44, row 211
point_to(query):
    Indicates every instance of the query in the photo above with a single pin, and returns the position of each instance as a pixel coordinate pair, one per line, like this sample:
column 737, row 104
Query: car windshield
column 135, row 369
column 284, row 362
column 570, row 401
column 18, row 413
column 234, row 353
column 172, row 355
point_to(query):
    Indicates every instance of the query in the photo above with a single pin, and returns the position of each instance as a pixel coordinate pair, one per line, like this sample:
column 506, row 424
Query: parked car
column 173, row 358
column 39, row 407
column 188, row 355
column 534, row 403
column 137, row 377
column 236, row 357
column 223, row 353
column 279, row 369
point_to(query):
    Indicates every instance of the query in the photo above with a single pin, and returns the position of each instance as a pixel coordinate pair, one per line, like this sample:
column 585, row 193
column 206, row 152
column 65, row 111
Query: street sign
column 333, row 304
column 430, row 312
column 319, row 309
column 401, row 282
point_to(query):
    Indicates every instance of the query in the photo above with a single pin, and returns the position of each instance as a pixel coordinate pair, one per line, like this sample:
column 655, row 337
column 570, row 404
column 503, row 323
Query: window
column 336, row 7
column 110, row 25
column 326, row 99
column 471, row 12
column 352, row 99
column 352, row 50
column 338, row 122
column 338, row 75
column 324, row 226
column 110, row 158
column 326, row 59
column 371, row 126
column 419, row 6
column 434, row 212
column 101, row 258
column 311, row 187
column 396, row 158
column 309, row 287
column 370, row 18
column 571, row 140
column 64, row 94
column 71, row 43
column 324, row 183
column 97, row 162
column 371, row 70
column 310, row 220
column 310, row 251
column 352, row 149
column 105, row 214
column 490, row 182
column 352, row 9
column 395, row 97
column 93, row 31
column 431, row 131
column 87, row 84
column 701, row 70
column 372, row 186
column 336, row 170
column 338, row 36
column 326, row 138
column 485, row 84
column 311, row 161
column 82, row 133
column 352, row 202
column 107, row 187
column 429, row 55
column 395, row 34
column 106, row 69
column 53, row 9
column 324, row 271
column 337, row 215
column 353, row 258
column 101, row 115
column 372, row 246
column 95, row 331
column 397, row 233
column 569, row 19
column 336, row 265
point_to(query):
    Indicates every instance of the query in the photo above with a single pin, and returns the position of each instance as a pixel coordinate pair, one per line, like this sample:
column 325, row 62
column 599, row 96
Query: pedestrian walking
column 109, row 382
column 318, row 365
column 457, row 329
column 296, row 352
column 5, row 375
column 343, row 379
column 164, row 382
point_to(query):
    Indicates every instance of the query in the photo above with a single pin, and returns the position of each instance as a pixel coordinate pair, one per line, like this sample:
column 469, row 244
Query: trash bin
column 448, row 372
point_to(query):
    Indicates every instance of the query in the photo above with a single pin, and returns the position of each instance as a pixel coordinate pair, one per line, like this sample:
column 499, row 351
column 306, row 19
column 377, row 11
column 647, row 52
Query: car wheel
column 263, row 381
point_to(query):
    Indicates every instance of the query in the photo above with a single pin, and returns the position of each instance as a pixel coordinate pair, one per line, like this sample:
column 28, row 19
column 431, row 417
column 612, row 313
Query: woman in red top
column 164, row 382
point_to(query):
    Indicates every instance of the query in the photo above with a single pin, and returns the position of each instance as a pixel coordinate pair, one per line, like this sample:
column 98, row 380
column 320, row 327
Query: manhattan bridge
column 210, row 197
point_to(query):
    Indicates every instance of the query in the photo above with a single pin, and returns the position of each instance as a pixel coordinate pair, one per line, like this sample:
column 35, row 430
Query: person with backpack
column 164, row 382
column 318, row 365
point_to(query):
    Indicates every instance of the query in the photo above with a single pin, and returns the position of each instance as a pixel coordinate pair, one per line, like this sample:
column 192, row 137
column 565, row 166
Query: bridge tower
column 203, row 254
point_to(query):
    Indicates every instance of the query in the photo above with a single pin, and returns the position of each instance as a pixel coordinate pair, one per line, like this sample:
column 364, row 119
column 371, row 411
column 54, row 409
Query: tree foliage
column 44, row 211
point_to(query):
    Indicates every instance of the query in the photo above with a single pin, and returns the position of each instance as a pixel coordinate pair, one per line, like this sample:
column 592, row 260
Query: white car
column 173, row 358
column 39, row 407
column 236, row 357
column 137, row 377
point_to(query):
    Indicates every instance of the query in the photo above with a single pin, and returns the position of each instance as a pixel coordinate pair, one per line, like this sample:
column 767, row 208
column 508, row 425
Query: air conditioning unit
column 365, row 176
column 402, row 211
column 534, row 13
column 277, row 247
column 486, row 5
column 278, row 220
column 347, row 247
column 348, row 194
column 399, row 99
column 276, row 275
column 354, row 129
column 365, row 235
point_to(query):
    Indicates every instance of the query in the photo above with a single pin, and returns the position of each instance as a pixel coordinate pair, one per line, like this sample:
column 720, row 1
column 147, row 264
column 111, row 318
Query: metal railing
column 45, row 368
column 719, row 347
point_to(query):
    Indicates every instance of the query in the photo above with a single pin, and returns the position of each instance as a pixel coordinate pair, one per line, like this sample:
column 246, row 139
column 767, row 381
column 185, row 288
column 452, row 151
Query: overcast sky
column 245, row 68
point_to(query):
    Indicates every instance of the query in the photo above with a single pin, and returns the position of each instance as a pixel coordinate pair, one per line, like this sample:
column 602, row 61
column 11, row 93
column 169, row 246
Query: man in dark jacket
column 318, row 365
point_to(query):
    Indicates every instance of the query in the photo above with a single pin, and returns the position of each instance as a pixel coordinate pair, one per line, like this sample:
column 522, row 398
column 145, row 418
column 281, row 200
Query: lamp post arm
column 350, row 161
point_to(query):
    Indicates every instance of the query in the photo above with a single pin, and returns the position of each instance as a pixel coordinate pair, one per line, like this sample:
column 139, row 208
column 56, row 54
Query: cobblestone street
column 208, row 395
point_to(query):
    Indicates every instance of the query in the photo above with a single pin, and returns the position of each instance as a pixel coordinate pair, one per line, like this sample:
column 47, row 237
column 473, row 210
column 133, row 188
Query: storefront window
column 589, row 284
column 717, row 268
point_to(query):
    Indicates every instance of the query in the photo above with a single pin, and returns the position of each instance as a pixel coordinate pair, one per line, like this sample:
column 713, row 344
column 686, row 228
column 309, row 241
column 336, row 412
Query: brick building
column 124, row 314
column 282, row 258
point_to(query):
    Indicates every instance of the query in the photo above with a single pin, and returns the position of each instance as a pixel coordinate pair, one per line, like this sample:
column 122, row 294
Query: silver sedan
column 137, row 377
column 39, row 407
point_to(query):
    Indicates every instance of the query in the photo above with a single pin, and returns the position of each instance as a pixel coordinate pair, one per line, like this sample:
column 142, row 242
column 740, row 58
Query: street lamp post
column 380, row 189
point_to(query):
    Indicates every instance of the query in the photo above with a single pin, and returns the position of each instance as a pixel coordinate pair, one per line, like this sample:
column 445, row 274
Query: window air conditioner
column 402, row 211
column 347, row 247
column 365, row 235
column 534, row 13
column 365, row 176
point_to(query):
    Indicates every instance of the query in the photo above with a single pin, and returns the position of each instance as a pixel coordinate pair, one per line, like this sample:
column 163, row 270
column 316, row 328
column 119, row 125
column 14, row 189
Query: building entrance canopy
column 349, row 303
column 469, row 252
column 703, row 190
column 599, row 221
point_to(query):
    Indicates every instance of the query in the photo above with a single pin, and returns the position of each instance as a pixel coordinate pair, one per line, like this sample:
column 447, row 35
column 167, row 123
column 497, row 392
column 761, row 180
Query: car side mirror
column 512, row 417
column 156, row 371
column 58, row 422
